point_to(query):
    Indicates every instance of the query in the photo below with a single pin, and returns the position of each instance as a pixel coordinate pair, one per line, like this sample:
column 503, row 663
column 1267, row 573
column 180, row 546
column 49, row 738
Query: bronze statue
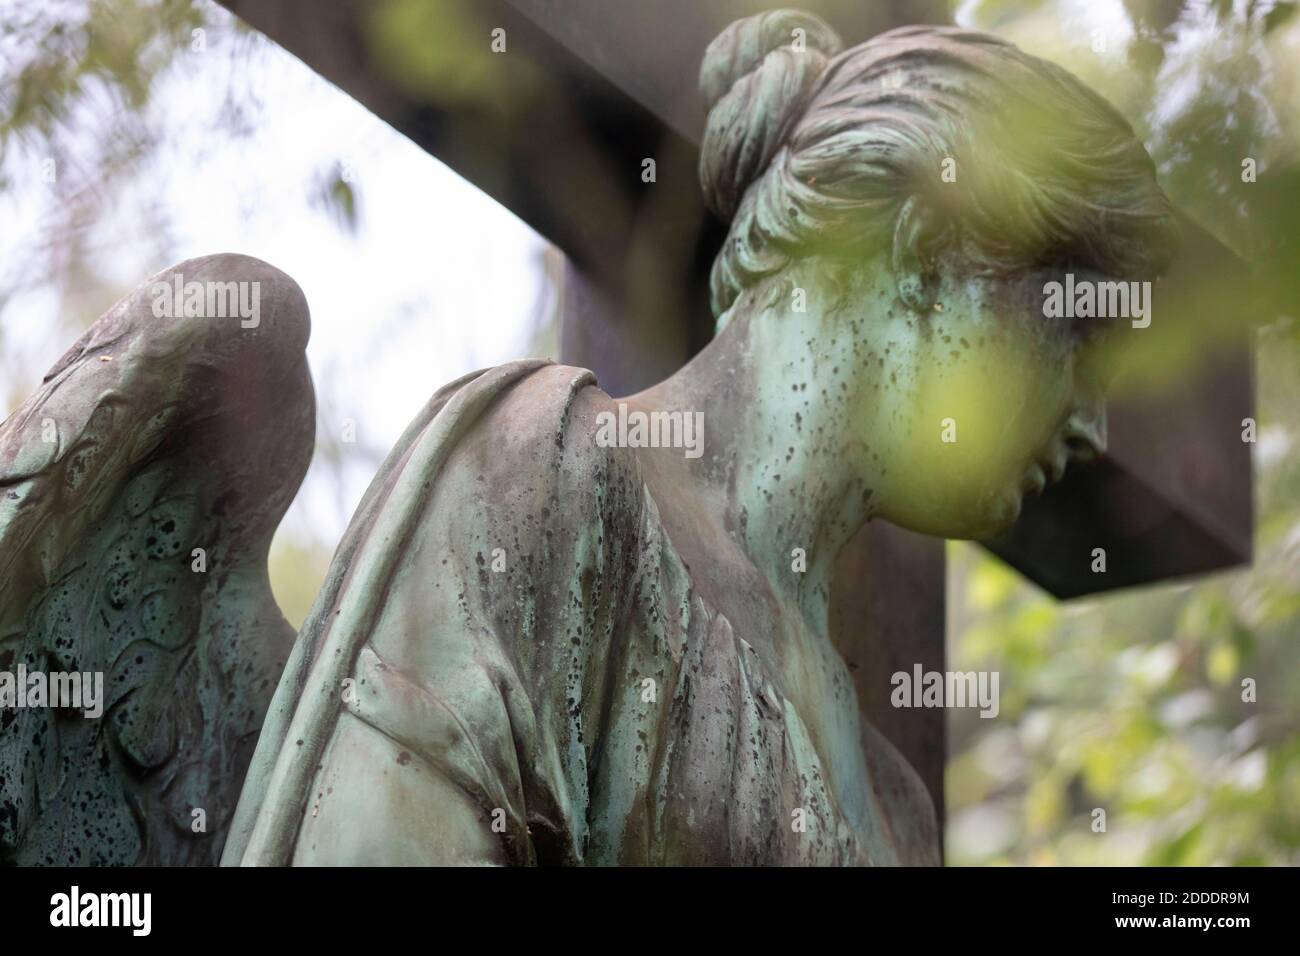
column 564, row 628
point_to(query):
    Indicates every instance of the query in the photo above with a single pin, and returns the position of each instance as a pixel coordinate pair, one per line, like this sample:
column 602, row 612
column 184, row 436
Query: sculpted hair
column 812, row 151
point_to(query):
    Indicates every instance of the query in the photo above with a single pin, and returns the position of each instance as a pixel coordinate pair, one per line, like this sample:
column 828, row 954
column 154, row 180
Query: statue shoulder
column 482, row 578
column 536, row 450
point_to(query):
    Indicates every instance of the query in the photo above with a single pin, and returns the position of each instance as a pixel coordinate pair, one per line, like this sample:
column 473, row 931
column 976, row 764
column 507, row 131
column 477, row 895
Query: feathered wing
column 139, row 490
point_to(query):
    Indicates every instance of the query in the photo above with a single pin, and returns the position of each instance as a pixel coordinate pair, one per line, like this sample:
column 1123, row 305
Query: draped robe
column 509, row 663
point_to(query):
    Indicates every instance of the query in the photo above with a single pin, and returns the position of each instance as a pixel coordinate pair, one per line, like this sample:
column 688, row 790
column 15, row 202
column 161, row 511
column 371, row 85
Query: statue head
column 919, row 191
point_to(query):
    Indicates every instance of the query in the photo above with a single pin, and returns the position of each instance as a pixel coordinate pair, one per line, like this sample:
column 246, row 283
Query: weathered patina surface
column 537, row 646
column 511, row 635
column 152, row 437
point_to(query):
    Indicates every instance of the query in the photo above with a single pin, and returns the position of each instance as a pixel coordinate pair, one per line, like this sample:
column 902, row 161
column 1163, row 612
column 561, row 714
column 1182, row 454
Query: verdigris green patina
column 546, row 639
column 139, row 490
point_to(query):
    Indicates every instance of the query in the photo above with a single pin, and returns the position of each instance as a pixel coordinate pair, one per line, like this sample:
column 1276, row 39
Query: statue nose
column 1085, row 434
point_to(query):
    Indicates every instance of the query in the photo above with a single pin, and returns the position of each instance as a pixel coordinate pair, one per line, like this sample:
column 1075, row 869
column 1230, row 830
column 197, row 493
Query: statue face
column 982, row 402
column 930, row 142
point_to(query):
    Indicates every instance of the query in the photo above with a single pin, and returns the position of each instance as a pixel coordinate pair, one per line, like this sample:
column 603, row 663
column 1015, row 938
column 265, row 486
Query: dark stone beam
column 652, row 51
column 590, row 88
column 888, row 615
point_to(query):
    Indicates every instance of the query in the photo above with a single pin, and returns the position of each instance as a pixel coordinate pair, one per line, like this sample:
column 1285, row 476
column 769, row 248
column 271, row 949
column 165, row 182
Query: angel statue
column 535, row 645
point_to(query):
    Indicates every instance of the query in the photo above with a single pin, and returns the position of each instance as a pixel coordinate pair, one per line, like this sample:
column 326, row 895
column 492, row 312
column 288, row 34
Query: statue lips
column 1046, row 471
column 1034, row 482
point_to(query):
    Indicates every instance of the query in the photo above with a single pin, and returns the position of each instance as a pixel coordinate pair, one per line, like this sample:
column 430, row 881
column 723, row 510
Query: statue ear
column 913, row 260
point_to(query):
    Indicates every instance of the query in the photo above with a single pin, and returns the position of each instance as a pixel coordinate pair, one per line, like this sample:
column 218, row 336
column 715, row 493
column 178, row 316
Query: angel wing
column 139, row 490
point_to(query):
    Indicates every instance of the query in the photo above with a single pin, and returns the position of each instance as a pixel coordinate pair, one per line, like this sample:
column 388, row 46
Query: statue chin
column 987, row 517
column 1009, row 511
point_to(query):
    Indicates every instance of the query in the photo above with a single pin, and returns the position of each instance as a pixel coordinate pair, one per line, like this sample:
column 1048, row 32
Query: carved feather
column 139, row 490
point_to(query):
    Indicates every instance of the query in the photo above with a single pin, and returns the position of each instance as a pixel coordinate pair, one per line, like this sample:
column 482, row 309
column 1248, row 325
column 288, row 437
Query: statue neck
column 783, row 468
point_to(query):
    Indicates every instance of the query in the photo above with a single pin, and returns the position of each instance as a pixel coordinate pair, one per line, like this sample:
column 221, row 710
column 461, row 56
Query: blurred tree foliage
column 78, row 129
column 1133, row 704
column 83, row 125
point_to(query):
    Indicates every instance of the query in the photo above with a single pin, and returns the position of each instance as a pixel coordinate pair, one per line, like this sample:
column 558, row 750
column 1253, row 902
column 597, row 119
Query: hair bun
column 755, row 75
